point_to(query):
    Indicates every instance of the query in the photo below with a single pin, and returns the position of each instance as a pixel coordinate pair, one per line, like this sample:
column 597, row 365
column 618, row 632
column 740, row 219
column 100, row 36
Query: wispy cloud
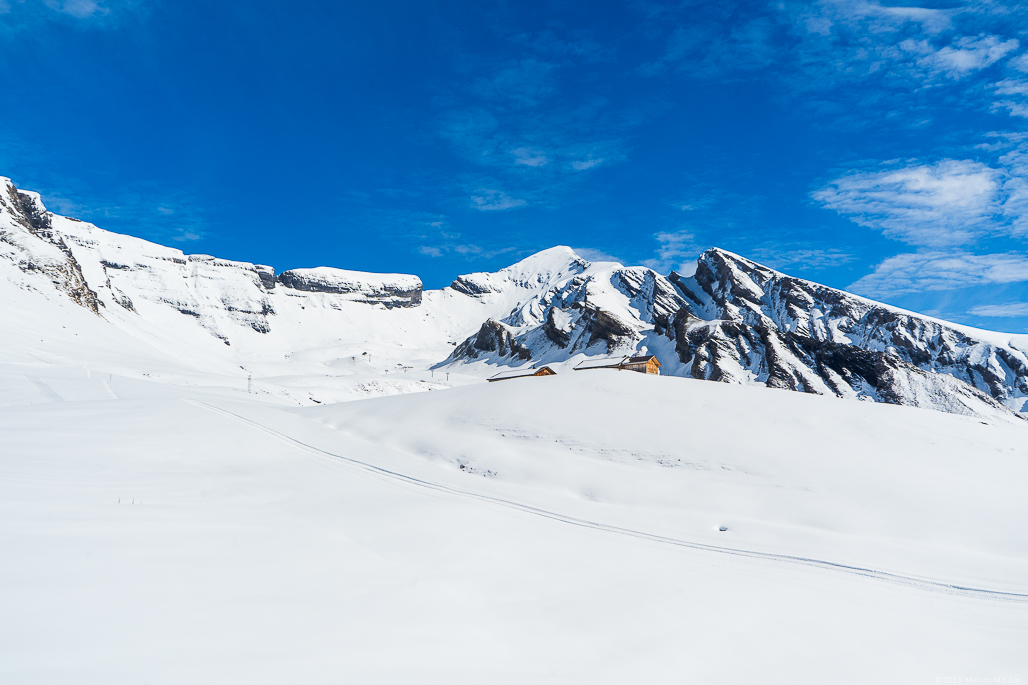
column 785, row 256
column 466, row 250
column 532, row 157
column 490, row 200
column 80, row 9
column 97, row 14
column 591, row 254
column 860, row 59
column 524, row 83
column 951, row 202
column 934, row 271
column 142, row 210
column 524, row 113
column 1008, row 310
column 964, row 56
column 675, row 250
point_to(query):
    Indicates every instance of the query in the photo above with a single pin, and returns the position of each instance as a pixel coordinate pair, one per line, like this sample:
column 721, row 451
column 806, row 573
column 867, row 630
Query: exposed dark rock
column 385, row 294
column 65, row 274
column 493, row 336
column 679, row 282
column 603, row 325
column 469, row 287
column 125, row 301
column 557, row 327
column 266, row 274
column 794, row 334
column 651, row 295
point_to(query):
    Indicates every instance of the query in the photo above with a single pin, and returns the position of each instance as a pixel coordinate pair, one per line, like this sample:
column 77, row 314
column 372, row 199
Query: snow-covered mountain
column 326, row 334
column 736, row 321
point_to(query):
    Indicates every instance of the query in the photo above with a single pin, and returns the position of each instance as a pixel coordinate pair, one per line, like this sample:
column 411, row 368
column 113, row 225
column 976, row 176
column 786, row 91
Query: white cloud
column 933, row 271
column 1011, row 87
column 488, row 200
column 1020, row 62
column 430, row 251
column 947, row 203
column 1009, row 310
column 674, row 251
column 1015, row 109
column 784, row 256
column 583, row 164
column 591, row 254
column 962, row 57
column 80, row 9
column 530, row 157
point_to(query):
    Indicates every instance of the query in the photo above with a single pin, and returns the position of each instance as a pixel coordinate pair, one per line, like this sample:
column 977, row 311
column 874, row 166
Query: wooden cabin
column 642, row 364
column 522, row 373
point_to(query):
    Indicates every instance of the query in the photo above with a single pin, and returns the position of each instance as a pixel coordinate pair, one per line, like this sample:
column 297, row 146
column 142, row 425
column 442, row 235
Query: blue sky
column 879, row 147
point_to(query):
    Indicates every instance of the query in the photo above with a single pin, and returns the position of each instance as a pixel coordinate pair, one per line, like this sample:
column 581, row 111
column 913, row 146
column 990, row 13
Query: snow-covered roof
column 520, row 373
column 615, row 362
column 641, row 359
column 603, row 363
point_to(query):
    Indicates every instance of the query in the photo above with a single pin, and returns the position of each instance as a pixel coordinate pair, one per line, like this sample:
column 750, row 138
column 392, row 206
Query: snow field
column 248, row 558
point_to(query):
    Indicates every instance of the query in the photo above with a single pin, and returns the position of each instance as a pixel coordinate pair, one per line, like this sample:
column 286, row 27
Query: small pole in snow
column 447, row 376
column 249, row 384
column 433, row 373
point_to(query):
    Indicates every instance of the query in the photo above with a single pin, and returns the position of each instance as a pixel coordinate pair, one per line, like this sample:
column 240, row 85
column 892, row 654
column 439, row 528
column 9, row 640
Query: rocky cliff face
column 27, row 240
column 390, row 290
column 113, row 275
column 566, row 306
column 746, row 322
column 736, row 321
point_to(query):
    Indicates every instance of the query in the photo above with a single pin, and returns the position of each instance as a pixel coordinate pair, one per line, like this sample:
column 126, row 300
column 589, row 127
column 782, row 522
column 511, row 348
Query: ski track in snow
column 47, row 391
column 895, row 578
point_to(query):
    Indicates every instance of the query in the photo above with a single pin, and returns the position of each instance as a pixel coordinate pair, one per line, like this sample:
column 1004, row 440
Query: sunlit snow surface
column 178, row 510
column 161, row 525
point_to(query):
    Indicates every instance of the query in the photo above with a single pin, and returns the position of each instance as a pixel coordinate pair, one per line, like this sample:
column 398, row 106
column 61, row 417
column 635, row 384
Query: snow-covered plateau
column 211, row 472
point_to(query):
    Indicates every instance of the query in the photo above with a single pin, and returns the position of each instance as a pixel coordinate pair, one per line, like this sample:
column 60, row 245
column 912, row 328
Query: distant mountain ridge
column 732, row 321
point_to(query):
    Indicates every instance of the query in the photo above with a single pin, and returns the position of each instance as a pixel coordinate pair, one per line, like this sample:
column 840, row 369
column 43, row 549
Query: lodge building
column 647, row 363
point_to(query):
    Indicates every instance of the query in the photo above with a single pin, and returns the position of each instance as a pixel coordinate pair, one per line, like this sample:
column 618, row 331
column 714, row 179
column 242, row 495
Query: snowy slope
column 561, row 529
column 305, row 335
column 163, row 522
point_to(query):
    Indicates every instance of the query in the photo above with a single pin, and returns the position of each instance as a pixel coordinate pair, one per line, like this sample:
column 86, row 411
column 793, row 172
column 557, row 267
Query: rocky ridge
column 736, row 321
column 733, row 321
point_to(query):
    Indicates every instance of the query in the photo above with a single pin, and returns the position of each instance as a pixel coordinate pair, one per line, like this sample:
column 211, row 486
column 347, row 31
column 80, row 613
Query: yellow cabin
column 643, row 364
